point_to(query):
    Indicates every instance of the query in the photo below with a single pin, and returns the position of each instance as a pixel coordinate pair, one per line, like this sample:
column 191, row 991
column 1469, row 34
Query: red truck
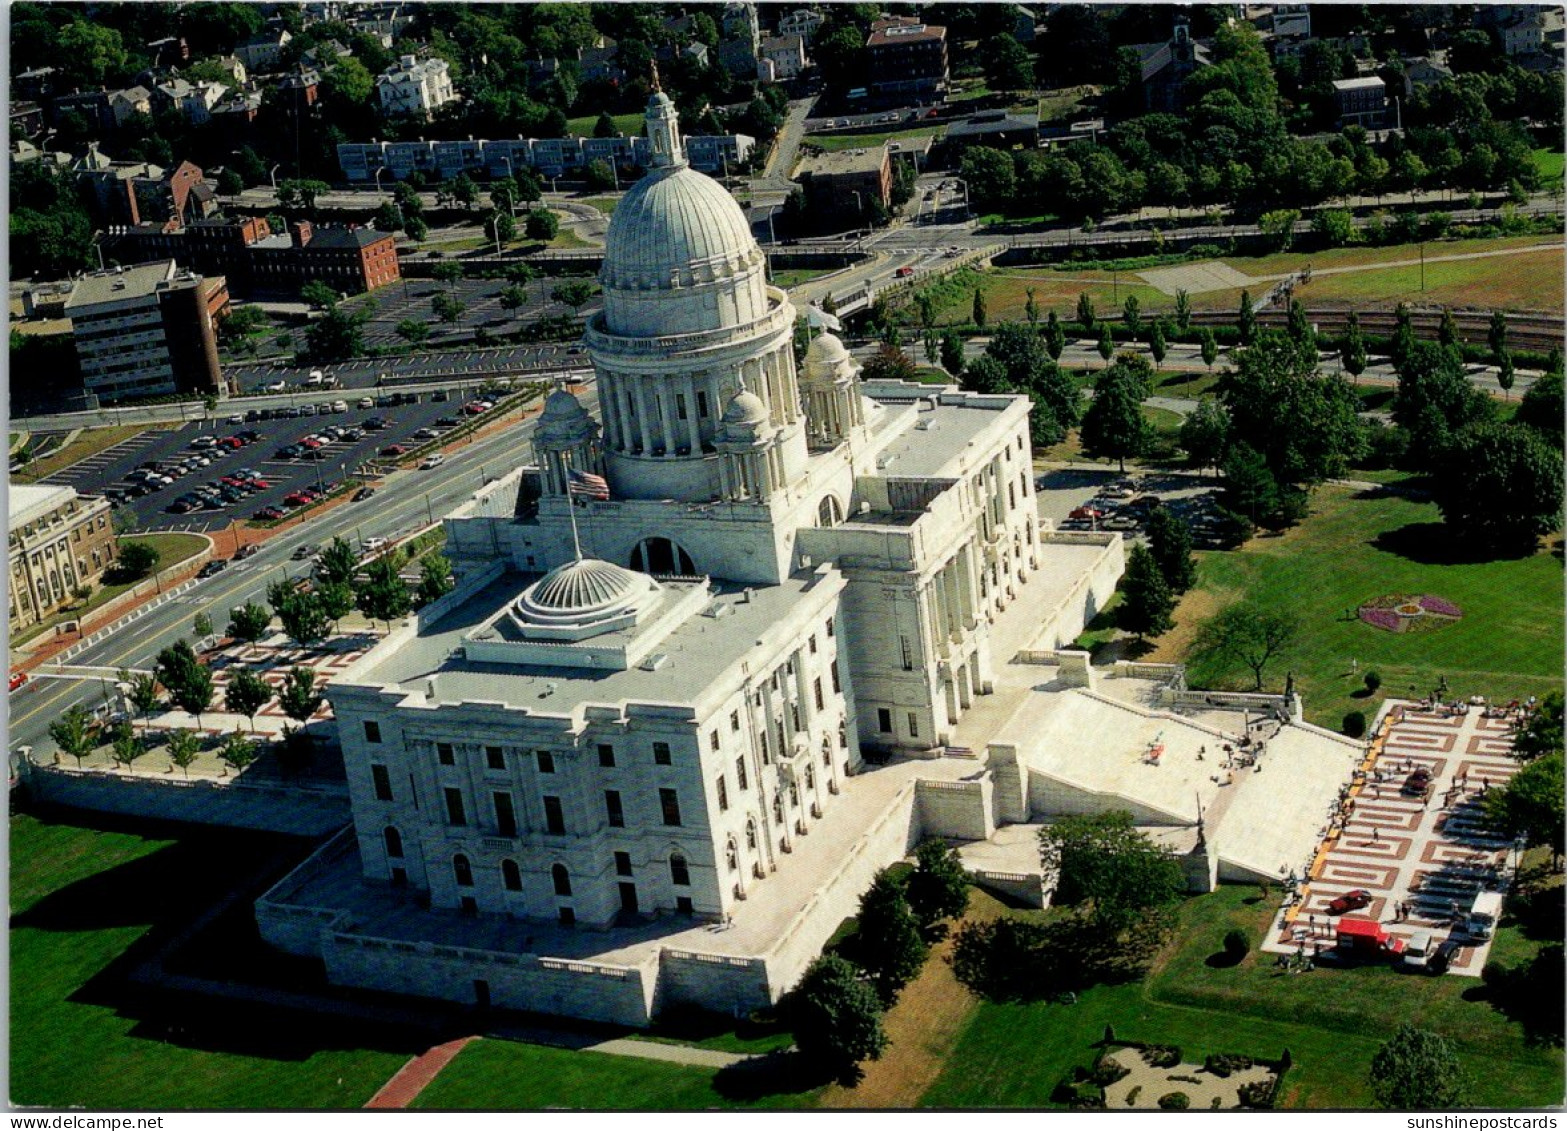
column 1367, row 939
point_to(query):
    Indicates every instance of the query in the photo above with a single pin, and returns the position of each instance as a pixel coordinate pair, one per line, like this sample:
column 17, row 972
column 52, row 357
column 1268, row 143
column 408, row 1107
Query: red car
column 1350, row 901
column 1087, row 512
column 268, row 514
column 394, row 450
column 17, row 679
column 297, row 499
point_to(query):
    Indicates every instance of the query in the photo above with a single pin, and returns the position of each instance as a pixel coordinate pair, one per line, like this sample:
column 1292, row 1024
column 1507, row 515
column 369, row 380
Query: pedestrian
column 1354, row 666
column 1376, row 833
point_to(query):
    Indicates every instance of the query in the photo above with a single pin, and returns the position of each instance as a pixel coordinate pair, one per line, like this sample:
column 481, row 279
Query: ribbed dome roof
column 561, row 405
column 582, row 585
column 674, row 227
column 826, row 347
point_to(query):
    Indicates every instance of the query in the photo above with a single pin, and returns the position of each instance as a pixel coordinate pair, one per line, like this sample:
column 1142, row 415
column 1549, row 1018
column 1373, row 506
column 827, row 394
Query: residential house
column 803, row 22
column 415, row 88
column 126, row 104
column 1166, row 67
column 1361, row 101
column 783, row 56
column 263, row 52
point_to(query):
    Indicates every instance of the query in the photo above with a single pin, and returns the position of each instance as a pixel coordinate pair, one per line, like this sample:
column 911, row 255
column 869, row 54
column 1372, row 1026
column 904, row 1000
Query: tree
column 1403, row 343
column 127, row 746
column 986, row 375
column 939, row 888
column 1246, row 634
column 979, row 314
column 599, row 174
column 319, row 295
column 1031, row 308
column 413, row 330
column 189, row 682
column 513, row 297
column 73, row 733
column 299, row 696
column 336, row 599
column 1542, row 409
column 201, row 626
column 836, row 1018
column 1085, row 311
column 300, row 614
column 952, row 359
column 1207, row 347
column 1353, row 353
column 237, row 751
column 1106, row 343
column 1132, row 316
column 1246, row 320
column 1183, row 311
column 1205, row 434
column 1447, row 329
column 143, row 693
column 247, row 693
column 1299, row 327
column 1170, row 543
column 1102, row 861
column 1156, row 344
column 1436, row 401
column 416, row 228
column 1541, row 733
column 448, row 308
column 576, row 293
column 249, row 622
column 1416, row 1070
column 1054, row 336
column 383, row 595
column 184, row 745
column 230, row 183
column 1505, row 374
column 138, row 559
column 336, row 336
column 1530, row 804
column 991, row 177
column 605, row 126
column 1499, row 486
column 1496, row 335
column 1006, row 64
column 435, row 578
column 1114, row 424
column 1276, row 379
column 501, row 226
column 887, row 945
column 1147, row 604
column 541, row 225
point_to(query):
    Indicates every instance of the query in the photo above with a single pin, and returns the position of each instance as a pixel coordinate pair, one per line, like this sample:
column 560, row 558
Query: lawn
column 1006, row 294
column 624, row 124
column 88, row 442
column 1550, row 163
column 832, row 143
column 1353, row 549
column 173, row 548
column 605, row 204
column 1331, row 1021
column 794, row 276
column 90, row 898
column 507, row 1075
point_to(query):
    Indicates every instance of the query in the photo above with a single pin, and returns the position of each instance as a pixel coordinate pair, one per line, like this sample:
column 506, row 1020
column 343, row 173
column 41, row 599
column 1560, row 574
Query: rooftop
column 1369, row 82
column 901, row 30
column 140, row 281
column 25, row 502
column 845, row 161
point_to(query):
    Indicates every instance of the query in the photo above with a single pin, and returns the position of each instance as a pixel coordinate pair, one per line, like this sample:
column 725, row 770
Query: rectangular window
column 908, row 653
column 884, row 720
column 546, row 761
column 734, row 720
column 762, row 743
column 454, row 809
column 914, row 725
column 723, row 795
column 680, row 405
column 830, row 627
column 372, row 731
column 622, row 863
column 505, row 815
column 701, row 403
column 812, row 643
column 669, row 804
column 712, row 740
column 495, row 757
column 740, row 772
column 661, row 754
column 606, row 754
column 614, row 814
column 832, row 670
column 444, row 754
column 554, row 818
column 816, row 687
column 383, row 783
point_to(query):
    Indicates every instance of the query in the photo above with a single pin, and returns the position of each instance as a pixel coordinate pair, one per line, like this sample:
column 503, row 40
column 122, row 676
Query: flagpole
column 571, row 505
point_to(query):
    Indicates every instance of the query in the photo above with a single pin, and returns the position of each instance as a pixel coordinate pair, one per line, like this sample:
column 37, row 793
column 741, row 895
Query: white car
column 432, row 461
column 365, row 402
column 374, row 545
column 339, row 406
column 279, row 386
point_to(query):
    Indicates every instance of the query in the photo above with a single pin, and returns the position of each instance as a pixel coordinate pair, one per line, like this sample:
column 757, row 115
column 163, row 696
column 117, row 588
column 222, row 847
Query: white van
column 1485, row 914
column 1419, row 950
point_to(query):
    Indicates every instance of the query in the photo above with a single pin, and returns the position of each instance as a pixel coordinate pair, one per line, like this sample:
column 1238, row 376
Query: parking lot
column 362, row 374
column 111, row 471
column 1076, row 499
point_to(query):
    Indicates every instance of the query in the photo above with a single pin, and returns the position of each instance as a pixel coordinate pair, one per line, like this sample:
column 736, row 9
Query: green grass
column 832, row 143
column 1353, row 549
column 794, row 276
column 83, row 896
column 1550, row 162
column 506, row 1075
column 89, row 442
column 173, row 548
column 1332, row 1021
column 624, row 123
column 605, row 204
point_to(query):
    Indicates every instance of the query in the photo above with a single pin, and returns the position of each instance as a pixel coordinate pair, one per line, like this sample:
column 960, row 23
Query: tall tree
column 1541, row 732
column 1208, row 347
column 1105, row 863
column 1156, row 343
column 336, row 599
column 952, row 359
column 189, row 682
column 1353, row 353
column 435, row 578
column 888, row 946
column 1205, row 434
column 1496, row 335
column 978, row 312
column 143, row 694
column 1305, row 425
column 1147, row 604
column 1505, row 373
column 1055, row 337
column 249, row 622
column 299, row 697
column 1114, row 424
column 836, row 1018
column 73, row 733
column 337, row 562
column 383, row 595
column 1542, row 409
column 184, row 745
column 1031, row 308
column 1085, row 311
column 1417, row 1070
column 1106, row 342
column 1183, row 311
column 1499, row 487
column 1246, row 320
column 246, row 694
column 1132, row 316
column 939, row 888
column 237, row 751
column 1170, row 543
column 128, row 746
column 1530, row 804
column 1447, row 329
column 300, row 614
column 1246, row 634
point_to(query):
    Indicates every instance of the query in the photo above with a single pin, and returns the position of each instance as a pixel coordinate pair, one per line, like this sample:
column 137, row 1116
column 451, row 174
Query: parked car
column 1352, row 900
column 426, row 434
column 278, row 386
column 394, row 450
column 17, row 679
column 366, row 402
column 236, row 419
column 1418, row 782
column 446, row 422
column 1120, row 491
column 374, row 545
column 1089, row 513
column 212, row 568
column 441, row 395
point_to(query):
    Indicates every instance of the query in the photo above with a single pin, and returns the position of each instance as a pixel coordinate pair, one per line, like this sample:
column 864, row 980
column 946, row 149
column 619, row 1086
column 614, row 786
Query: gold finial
column 656, row 87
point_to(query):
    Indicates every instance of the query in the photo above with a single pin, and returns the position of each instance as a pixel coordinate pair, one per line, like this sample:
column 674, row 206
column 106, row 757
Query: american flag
column 586, row 484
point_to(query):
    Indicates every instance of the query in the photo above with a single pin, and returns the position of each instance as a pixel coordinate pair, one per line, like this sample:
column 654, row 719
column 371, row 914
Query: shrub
column 1236, row 944
column 1373, row 681
column 1216, row 1103
column 1355, row 724
column 1257, row 1094
column 1162, row 1056
column 1175, row 1101
column 1107, row 1071
column 1222, row 1064
column 1131, row 1097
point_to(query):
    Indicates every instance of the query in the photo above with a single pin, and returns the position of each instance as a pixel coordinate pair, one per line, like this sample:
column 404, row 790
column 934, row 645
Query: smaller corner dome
column 826, row 347
column 561, row 405
column 746, row 408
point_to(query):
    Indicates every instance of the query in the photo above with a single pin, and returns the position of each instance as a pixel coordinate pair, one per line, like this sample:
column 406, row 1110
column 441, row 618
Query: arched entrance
column 661, row 556
column 828, row 512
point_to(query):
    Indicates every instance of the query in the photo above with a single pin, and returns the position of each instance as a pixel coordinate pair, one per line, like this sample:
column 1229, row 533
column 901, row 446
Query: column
column 664, row 397
column 644, row 418
column 611, row 405
column 693, row 420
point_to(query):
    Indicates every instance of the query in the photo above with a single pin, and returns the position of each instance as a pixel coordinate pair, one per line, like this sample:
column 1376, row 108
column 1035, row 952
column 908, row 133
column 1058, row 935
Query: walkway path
column 673, row 1054
column 415, row 1076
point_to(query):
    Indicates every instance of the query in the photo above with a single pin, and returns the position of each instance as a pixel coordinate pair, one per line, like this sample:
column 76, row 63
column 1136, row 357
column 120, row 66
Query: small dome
column 582, row 585
column 561, row 405
column 826, row 348
column 564, row 422
column 581, row 599
column 746, row 408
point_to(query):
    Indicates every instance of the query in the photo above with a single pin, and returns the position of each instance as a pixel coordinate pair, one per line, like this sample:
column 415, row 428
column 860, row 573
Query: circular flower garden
column 1405, row 613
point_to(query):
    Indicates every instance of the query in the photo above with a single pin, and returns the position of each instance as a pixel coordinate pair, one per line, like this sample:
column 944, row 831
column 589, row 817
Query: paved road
column 406, row 502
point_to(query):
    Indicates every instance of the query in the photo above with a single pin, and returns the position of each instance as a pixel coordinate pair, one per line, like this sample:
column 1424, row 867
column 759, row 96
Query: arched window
column 732, row 855
column 463, row 871
column 828, row 512
column 562, row 879
column 679, row 871
column 394, row 841
column 750, row 834
column 511, row 875
column 778, row 807
column 661, row 556
column 810, row 776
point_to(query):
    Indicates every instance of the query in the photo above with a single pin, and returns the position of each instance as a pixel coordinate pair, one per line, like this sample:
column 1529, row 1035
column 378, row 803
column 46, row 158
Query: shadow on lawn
column 778, row 1073
column 1433, row 543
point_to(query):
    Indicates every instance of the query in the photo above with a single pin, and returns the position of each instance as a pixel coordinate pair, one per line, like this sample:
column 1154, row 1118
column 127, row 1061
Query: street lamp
column 379, row 169
column 98, row 247
column 273, row 175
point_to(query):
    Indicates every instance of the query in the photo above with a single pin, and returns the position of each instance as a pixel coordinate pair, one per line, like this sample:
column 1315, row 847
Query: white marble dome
column 825, row 358
column 564, row 419
column 583, row 596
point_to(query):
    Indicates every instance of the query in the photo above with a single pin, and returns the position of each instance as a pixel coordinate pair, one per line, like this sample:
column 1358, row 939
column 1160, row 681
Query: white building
column 725, row 652
column 802, row 22
column 783, row 56
column 416, row 87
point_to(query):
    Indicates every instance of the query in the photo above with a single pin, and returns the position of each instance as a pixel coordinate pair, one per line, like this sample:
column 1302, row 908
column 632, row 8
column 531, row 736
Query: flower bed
column 1406, row 613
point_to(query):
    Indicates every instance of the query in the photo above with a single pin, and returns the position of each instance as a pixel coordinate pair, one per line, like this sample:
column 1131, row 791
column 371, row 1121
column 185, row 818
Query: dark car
column 1419, row 781
column 1350, row 901
column 303, row 552
column 213, row 568
column 446, row 422
column 268, row 514
column 248, row 550
column 362, row 494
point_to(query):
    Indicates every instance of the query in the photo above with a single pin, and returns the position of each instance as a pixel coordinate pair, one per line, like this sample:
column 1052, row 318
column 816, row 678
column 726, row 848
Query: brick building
column 908, row 59
column 843, row 184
